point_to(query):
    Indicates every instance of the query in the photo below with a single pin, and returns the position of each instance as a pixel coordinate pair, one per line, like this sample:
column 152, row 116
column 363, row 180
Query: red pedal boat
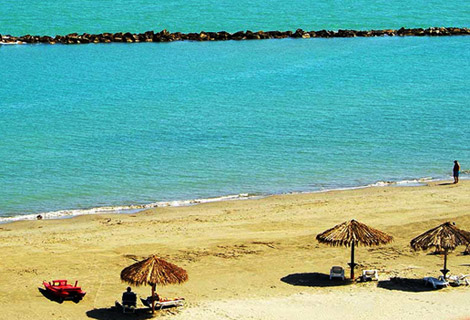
column 61, row 290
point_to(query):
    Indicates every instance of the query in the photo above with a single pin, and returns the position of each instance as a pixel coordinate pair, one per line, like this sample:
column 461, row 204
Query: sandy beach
column 252, row 259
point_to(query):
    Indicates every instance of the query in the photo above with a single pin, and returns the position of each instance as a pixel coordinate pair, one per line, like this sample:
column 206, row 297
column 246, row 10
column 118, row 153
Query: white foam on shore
column 123, row 209
column 401, row 183
column 407, row 183
column 61, row 214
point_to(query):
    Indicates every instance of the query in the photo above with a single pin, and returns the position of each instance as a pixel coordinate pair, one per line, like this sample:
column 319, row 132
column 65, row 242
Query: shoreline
column 131, row 209
column 243, row 257
column 166, row 36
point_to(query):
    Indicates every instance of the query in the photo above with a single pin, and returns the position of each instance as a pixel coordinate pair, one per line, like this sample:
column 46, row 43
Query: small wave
column 411, row 182
column 124, row 209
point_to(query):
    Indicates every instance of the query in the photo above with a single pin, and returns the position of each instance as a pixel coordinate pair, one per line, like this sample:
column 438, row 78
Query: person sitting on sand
column 456, row 171
column 129, row 298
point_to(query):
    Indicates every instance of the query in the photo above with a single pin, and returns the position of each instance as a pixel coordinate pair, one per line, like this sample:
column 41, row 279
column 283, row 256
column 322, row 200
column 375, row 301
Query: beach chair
column 459, row 280
column 337, row 272
column 370, row 275
column 436, row 282
column 129, row 302
column 163, row 303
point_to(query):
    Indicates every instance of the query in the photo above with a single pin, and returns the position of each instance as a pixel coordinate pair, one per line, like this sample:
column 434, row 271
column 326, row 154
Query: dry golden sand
column 236, row 254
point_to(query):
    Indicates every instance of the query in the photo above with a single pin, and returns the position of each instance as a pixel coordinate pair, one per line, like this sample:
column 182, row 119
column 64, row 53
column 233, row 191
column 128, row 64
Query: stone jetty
column 166, row 36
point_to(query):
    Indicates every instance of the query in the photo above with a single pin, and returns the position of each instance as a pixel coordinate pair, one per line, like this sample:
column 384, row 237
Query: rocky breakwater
column 165, row 36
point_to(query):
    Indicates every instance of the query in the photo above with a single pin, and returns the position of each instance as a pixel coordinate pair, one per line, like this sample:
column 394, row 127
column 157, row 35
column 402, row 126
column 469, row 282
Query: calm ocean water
column 95, row 16
column 108, row 125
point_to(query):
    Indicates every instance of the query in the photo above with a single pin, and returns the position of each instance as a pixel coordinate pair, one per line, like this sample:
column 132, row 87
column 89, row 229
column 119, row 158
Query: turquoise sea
column 87, row 126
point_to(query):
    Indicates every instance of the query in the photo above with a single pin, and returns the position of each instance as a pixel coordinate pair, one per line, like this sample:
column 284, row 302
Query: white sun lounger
column 337, row 272
column 162, row 304
column 169, row 303
column 369, row 275
column 459, row 280
column 436, row 282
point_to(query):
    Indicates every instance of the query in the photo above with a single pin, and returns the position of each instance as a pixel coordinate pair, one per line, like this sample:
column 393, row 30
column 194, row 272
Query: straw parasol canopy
column 353, row 233
column 443, row 237
column 153, row 271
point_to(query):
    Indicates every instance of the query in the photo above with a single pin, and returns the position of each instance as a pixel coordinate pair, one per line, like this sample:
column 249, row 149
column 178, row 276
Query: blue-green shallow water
column 96, row 125
column 95, row 16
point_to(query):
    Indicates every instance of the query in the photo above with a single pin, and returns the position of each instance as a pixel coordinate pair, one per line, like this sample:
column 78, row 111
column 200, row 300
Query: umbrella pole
column 352, row 264
column 445, row 270
column 153, row 298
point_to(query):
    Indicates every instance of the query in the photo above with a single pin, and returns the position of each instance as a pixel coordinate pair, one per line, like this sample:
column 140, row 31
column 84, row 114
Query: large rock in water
column 128, row 37
column 95, row 38
column 299, row 33
column 240, row 35
column 202, row 36
column 84, row 38
column 250, row 35
column 262, row 35
column 59, row 39
column 345, row 33
column 117, row 37
column 105, row 37
column 147, row 36
column 222, row 35
column 26, row 38
column 45, row 39
column 273, row 34
column 323, row 34
column 161, row 36
column 193, row 36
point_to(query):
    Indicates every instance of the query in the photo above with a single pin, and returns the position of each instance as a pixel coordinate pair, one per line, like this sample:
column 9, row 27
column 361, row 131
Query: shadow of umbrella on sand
column 351, row 234
column 443, row 237
column 153, row 271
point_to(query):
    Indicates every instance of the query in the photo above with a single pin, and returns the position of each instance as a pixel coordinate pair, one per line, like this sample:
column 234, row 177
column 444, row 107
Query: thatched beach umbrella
column 351, row 234
column 153, row 271
column 443, row 237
